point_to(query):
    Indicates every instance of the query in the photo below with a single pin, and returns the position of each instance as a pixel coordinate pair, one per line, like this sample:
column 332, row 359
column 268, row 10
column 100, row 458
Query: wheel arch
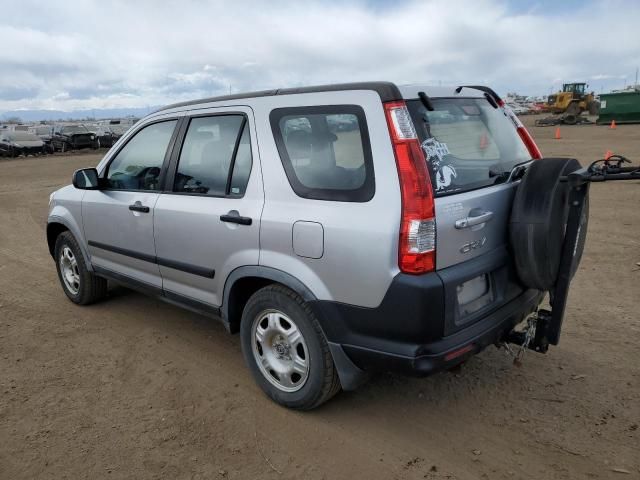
column 57, row 225
column 54, row 229
column 245, row 281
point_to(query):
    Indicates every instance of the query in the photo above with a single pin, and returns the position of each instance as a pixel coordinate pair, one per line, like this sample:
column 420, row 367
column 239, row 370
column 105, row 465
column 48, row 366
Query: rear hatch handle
column 473, row 220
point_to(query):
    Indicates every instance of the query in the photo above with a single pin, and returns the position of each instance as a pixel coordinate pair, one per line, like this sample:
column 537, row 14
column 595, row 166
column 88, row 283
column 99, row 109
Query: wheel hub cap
column 69, row 270
column 280, row 350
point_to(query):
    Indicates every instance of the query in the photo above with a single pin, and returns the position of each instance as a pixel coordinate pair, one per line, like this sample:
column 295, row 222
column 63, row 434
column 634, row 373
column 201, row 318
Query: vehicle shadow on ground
column 467, row 386
column 479, row 379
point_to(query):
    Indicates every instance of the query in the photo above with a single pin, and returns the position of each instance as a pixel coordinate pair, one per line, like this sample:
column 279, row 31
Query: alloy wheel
column 69, row 270
column 280, row 350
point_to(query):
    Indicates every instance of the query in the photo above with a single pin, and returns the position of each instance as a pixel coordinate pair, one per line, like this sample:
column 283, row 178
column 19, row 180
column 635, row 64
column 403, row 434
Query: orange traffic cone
column 613, row 125
column 484, row 141
column 608, row 154
column 558, row 137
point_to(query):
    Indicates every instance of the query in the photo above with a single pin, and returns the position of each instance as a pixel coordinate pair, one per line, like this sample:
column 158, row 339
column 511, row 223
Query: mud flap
column 351, row 377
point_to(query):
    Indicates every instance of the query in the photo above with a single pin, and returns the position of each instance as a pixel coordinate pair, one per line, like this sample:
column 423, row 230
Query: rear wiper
column 519, row 170
column 426, row 101
column 512, row 175
column 499, row 177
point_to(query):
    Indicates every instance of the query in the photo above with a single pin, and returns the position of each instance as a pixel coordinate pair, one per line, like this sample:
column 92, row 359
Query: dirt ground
column 135, row 388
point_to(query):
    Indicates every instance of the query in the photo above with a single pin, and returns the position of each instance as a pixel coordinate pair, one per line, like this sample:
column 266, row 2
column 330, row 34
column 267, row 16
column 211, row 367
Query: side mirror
column 86, row 179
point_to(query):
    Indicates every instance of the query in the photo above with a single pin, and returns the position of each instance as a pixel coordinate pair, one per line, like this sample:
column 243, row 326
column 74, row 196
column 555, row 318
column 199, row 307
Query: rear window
column 325, row 151
column 468, row 143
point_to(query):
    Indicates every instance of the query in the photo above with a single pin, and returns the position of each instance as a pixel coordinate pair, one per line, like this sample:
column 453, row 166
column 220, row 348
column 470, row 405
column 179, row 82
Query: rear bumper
column 452, row 350
column 417, row 329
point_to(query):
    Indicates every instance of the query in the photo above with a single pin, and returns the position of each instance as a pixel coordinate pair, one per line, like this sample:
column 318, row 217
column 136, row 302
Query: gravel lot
column 135, row 388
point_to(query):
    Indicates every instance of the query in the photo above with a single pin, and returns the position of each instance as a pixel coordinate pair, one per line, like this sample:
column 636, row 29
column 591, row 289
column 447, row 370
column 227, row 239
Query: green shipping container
column 623, row 107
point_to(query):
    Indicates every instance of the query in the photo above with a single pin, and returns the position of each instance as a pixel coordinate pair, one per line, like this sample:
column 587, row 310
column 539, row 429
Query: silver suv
column 341, row 229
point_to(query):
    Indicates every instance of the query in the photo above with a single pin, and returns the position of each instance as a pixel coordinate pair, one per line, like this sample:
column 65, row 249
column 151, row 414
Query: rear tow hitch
column 533, row 337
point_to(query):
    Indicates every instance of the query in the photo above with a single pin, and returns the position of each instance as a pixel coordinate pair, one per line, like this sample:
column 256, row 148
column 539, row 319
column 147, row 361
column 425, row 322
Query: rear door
column 471, row 148
column 207, row 221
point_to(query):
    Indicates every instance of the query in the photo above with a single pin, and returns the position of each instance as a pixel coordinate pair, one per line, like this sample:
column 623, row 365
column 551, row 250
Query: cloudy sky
column 78, row 54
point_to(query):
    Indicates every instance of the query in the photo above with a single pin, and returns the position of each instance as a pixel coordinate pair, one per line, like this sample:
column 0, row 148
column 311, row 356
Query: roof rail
column 387, row 91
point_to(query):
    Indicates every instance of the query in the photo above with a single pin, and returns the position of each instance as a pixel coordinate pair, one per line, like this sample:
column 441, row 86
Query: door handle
column 471, row 221
column 234, row 217
column 138, row 207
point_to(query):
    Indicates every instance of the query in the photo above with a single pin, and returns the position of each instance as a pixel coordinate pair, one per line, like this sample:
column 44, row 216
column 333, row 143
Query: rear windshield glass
column 468, row 143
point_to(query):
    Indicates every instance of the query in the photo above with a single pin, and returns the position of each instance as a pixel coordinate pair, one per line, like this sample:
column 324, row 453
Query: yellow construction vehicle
column 570, row 103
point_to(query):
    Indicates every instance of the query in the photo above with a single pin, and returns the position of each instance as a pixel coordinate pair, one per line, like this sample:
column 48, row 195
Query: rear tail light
column 416, row 249
column 525, row 136
column 528, row 141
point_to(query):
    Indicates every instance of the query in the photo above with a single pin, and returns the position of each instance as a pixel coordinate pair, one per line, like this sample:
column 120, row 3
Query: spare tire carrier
column 548, row 324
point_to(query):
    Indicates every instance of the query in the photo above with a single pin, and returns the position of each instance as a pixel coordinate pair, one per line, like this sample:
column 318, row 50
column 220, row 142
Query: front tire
column 285, row 349
column 79, row 284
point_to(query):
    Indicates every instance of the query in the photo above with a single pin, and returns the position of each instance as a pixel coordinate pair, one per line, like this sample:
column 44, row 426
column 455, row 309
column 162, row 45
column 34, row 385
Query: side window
column 137, row 166
column 215, row 158
column 325, row 151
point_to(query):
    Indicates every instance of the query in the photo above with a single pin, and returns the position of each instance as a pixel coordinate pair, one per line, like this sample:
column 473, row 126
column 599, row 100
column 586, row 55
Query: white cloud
column 113, row 54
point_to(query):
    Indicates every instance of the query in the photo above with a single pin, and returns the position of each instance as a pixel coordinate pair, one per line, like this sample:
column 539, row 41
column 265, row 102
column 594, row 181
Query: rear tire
column 79, row 284
column 286, row 350
column 538, row 222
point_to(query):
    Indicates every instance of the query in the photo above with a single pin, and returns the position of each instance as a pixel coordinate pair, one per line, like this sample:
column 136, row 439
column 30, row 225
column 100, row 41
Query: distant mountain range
column 97, row 113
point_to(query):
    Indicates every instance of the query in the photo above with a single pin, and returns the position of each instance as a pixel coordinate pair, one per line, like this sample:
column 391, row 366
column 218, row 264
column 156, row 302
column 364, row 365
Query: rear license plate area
column 472, row 296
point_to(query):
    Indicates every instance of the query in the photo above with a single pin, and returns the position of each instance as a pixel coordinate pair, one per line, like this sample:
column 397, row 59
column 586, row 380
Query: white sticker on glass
column 434, row 149
column 435, row 152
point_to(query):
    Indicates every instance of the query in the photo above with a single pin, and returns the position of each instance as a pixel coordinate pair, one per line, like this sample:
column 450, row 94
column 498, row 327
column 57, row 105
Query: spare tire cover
column 538, row 222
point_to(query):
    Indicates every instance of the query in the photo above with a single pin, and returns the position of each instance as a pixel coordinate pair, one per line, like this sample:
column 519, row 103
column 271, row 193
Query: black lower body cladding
column 416, row 326
column 539, row 219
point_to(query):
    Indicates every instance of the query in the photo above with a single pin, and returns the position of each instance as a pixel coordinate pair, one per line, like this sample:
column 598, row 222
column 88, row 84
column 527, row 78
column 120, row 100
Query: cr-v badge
column 467, row 247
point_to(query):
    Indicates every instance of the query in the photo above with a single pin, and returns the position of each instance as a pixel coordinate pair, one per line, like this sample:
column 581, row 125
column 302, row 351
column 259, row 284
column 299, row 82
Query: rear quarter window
column 325, row 151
